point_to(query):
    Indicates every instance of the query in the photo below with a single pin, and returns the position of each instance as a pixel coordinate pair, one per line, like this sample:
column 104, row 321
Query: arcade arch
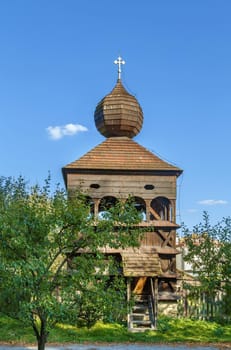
column 105, row 204
column 140, row 205
column 161, row 208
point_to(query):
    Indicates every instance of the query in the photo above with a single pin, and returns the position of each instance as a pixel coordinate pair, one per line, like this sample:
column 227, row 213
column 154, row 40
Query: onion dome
column 118, row 113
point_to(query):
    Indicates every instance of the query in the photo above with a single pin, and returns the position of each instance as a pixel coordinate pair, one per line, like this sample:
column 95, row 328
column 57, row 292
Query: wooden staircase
column 142, row 316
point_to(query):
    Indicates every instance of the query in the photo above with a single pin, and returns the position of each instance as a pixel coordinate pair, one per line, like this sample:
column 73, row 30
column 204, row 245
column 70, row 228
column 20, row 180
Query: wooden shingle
column 120, row 153
column 141, row 264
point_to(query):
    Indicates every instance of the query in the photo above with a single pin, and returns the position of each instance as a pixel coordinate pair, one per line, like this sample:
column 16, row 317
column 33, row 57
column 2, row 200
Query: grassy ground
column 169, row 330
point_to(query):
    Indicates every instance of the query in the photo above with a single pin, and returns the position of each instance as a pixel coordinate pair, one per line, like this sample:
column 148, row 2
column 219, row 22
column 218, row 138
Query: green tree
column 209, row 253
column 51, row 263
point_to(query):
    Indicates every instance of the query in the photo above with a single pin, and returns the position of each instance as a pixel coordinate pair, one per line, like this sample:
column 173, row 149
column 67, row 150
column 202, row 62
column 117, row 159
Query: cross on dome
column 118, row 114
column 119, row 61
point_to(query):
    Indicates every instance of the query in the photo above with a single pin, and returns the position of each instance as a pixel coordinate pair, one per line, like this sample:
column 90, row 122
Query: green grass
column 169, row 330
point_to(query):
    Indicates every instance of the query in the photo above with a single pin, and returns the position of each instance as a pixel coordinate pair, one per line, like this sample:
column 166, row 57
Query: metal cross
column 119, row 61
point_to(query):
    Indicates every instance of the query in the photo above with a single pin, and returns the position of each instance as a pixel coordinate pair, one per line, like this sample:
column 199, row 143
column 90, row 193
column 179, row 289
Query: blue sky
column 56, row 63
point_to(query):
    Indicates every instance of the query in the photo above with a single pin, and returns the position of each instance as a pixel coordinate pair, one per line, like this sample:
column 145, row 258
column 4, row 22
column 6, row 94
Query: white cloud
column 192, row 210
column 57, row 132
column 212, row 202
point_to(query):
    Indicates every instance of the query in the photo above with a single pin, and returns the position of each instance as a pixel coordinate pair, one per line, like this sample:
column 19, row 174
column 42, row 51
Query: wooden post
column 96, row 207
column 155, row 297
column 153, row 302
column 148, row 214
column 128, row 300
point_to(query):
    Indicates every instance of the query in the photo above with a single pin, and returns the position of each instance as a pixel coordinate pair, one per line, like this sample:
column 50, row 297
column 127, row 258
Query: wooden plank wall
column 121, row 186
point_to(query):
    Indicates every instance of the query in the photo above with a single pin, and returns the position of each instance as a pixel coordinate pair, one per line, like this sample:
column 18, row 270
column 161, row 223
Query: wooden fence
column 202, row 306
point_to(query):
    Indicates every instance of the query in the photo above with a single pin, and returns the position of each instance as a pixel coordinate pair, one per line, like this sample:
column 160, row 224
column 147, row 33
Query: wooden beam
column 161, row 236
column 128, row 299
column 140, row 285
column 156, row 299
column 154, row 304
column 154, row 213
column 167, row 239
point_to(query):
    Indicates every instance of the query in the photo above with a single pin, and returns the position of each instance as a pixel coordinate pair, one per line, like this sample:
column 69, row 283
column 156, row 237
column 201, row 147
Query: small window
column 149, row 187
column 94, row 186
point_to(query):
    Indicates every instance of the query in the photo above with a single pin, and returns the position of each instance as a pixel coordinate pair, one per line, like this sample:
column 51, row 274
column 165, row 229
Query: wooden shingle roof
column 120, row 153
column 141, row 264
column 118, row 113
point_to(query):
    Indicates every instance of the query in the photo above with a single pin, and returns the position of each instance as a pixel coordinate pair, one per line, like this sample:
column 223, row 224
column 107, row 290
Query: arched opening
column 161, row 209
column 105, row 204
column 140, row 206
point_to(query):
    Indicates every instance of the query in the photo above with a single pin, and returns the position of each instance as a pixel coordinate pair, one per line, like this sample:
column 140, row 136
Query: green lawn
column 169, row 330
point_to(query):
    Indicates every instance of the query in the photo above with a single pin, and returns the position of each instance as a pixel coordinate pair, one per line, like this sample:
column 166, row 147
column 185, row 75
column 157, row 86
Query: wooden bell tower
column 118, row 168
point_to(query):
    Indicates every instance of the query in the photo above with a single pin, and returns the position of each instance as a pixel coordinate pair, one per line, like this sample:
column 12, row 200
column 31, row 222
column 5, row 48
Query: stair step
column 141, row 317
column 140, row 309
column 137, row 330
column 141, row 297
column 145, row 302
column 142, row 322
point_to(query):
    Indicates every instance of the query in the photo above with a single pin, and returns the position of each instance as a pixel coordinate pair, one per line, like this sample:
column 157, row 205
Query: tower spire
column 119, row 61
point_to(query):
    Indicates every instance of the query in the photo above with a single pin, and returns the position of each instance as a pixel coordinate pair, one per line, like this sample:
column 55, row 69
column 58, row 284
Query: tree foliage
column 51, row 264
column 209, row 253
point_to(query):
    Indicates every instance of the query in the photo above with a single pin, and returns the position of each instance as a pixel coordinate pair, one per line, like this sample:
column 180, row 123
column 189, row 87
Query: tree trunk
column 42, row 338
column 40, row 332
column 42, row 341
